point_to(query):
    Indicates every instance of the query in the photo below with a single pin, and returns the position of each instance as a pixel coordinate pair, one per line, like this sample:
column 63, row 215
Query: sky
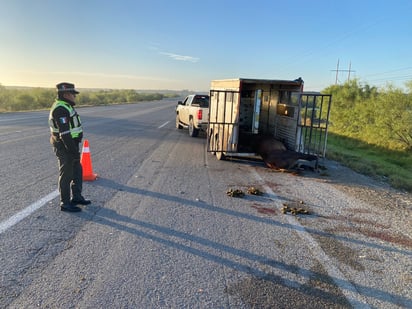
column 184, row 44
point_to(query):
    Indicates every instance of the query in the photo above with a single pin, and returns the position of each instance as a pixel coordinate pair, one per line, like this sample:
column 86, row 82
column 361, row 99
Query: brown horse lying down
column 288, row 159
column 275, row 155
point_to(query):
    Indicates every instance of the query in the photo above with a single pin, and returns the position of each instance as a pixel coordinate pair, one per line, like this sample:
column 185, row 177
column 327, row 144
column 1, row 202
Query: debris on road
column 235, row 193
column 239, row 193
column 254, row 191
column 294, row 210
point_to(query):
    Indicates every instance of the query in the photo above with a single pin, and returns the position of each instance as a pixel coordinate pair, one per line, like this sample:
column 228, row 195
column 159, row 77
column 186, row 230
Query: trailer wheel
column 178, row 125
column 193, row 132
column 219, row 153
column 211, row 144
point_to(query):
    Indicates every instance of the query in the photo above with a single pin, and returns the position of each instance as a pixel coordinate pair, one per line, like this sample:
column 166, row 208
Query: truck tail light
column 199, row 114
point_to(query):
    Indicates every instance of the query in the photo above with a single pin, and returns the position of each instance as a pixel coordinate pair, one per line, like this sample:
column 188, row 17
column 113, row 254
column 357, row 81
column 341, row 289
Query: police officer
column 66, row 135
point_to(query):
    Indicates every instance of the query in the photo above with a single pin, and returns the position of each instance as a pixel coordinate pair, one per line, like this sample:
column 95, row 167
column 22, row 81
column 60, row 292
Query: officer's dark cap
column 66, row 87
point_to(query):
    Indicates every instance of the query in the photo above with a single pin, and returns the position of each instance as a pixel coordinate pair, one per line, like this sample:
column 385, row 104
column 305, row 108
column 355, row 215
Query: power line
column 388, row 72
column 393, row 78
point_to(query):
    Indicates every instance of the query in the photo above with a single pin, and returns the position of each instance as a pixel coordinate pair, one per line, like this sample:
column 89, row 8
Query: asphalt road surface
column 162, row 232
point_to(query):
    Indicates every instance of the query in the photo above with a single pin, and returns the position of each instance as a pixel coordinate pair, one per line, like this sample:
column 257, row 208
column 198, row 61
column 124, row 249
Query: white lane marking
column 11, row 119
column 5, row 225
column 163, row 125
column 348, row 289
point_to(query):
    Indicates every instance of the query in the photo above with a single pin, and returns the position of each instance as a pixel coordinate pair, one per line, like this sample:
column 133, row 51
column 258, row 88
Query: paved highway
column 162, row 232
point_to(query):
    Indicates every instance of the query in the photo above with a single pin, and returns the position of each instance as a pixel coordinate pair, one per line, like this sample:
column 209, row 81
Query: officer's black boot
column 69, row 207
column 80, row 201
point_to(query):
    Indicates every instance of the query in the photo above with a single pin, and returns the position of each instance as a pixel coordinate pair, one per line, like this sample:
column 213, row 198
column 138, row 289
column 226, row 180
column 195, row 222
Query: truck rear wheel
column 193, row 132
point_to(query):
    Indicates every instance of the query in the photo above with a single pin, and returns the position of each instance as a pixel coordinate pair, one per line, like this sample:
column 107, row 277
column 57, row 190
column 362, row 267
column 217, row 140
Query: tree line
column 380, row 117
column 24, row 99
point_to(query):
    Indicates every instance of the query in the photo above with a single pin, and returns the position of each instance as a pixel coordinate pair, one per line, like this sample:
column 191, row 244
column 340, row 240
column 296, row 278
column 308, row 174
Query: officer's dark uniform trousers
column 70, row 171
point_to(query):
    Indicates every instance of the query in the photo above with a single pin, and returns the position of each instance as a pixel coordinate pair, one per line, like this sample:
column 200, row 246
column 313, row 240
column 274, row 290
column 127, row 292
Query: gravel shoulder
column 367, row 189
column 360, row 225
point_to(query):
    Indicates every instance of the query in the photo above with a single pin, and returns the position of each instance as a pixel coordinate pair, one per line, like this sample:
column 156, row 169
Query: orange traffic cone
column 86, row 162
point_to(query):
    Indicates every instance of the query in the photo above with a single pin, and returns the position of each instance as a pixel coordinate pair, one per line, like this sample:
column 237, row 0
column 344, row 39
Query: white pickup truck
column 193, row 113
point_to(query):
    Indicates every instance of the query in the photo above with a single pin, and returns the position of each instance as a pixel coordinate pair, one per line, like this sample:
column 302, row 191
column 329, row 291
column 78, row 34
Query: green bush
column 382, row 118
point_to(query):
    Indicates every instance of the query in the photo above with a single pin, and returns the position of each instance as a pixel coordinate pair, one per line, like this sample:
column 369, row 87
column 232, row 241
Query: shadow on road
column 161, row 234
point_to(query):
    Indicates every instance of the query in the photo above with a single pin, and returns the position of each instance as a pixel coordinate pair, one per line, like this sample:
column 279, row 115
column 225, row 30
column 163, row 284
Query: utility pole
column 337, row 71
column 350, row 65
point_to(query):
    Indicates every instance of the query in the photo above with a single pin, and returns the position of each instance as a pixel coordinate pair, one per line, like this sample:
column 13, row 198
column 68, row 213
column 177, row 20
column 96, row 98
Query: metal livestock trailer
column 240, row 109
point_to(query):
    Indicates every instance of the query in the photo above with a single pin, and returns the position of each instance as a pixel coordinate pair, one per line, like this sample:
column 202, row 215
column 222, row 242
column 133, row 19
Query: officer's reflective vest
column 74, row 120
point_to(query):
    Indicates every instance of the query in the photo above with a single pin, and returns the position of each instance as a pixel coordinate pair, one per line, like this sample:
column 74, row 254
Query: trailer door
column 223, row 130
column 312, row 123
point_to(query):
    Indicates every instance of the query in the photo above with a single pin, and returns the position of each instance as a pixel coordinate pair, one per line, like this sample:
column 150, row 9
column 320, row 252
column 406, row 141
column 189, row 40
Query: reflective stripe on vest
column 74, row 122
